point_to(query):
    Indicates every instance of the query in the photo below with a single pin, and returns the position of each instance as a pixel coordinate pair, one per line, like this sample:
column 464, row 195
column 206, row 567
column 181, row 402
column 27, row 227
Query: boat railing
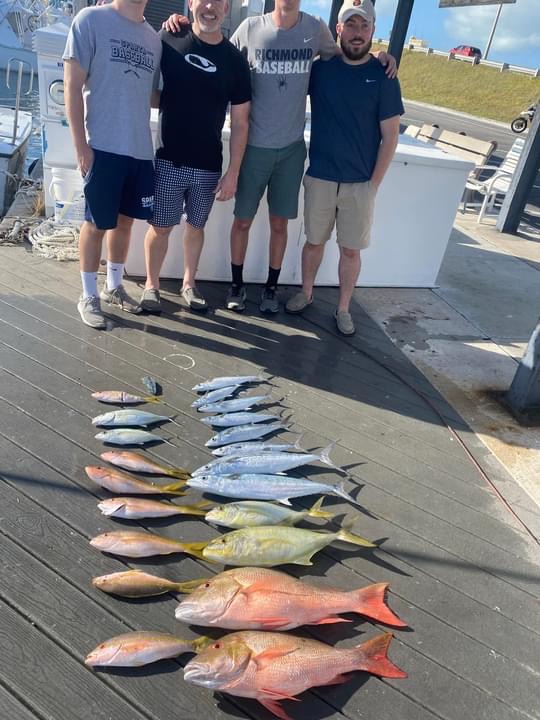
column 20, row 70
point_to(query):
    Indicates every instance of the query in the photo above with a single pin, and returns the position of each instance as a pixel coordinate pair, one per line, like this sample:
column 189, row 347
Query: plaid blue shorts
column 182, row 191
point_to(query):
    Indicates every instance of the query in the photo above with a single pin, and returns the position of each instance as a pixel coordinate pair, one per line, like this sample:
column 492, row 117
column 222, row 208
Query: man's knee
column 349, row 253
column 162, row 232
column 124, row 222
column 278, row 224
column 242, row 224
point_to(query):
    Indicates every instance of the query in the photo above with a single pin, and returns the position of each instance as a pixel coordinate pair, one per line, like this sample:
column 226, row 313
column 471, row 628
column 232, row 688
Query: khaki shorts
column 347, row 205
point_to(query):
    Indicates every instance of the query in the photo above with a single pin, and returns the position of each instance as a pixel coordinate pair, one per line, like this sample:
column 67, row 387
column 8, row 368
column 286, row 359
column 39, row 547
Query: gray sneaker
column 344, row 322
column 236, row 298
column 269, row 301
column 151, row 300
column 121, row 299
column 194, row 299
column 297, row 303
column 90, row 311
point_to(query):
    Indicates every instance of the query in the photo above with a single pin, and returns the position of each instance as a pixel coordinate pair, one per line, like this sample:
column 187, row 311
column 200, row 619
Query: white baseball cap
column 364, row 8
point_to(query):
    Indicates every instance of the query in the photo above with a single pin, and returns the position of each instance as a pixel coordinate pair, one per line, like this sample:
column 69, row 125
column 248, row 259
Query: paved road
column 416, row 114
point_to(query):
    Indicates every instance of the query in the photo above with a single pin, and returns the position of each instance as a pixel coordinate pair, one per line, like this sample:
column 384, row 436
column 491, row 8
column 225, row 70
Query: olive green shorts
column 348, row 206
column 278, row 170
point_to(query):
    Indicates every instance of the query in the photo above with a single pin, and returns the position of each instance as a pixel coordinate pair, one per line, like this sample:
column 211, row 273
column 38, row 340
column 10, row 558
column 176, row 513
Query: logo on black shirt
column 200, row 63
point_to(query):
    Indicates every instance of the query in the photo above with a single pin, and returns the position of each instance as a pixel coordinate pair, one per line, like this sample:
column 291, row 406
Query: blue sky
column 517, row 38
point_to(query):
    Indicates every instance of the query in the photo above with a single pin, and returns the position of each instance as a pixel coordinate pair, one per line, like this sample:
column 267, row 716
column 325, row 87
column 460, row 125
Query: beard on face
column 355, row 53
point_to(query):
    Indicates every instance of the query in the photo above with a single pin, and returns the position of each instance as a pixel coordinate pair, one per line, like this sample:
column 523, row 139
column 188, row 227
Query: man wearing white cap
column 355, row 111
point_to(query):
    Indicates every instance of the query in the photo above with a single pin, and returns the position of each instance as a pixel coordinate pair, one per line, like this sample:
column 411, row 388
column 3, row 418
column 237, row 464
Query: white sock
column 89, row 284
column 115, row 273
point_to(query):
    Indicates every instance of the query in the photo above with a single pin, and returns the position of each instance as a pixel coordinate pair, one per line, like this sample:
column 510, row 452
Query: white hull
column 20, row 53
column 12, row 154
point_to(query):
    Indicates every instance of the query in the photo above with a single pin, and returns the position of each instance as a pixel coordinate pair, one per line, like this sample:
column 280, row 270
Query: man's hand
column 226, row 187
column 389, row 62
column 85, row 159
column 174, row 23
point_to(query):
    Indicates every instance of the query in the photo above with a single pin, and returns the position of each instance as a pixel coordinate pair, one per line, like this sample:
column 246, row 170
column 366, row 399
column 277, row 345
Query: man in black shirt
column 202, row 73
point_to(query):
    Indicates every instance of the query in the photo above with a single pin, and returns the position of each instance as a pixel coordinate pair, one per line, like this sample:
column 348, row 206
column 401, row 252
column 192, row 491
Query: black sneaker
column 236, row 298
column 269, row 301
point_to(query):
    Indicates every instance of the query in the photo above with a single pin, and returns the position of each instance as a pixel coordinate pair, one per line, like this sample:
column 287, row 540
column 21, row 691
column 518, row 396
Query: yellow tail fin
column 349, row 537
column 315, row 510
column 175, row 488
column 195, row 548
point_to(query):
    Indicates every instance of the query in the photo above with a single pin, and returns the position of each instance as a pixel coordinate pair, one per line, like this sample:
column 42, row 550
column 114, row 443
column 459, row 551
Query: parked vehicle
column 519, row 124
column 467, row 51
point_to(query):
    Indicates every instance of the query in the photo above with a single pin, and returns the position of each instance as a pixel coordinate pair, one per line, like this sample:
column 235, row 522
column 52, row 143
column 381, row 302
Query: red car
column 468, row 51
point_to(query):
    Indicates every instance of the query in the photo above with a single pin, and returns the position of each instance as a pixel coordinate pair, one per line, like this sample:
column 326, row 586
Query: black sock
column 237, row 274
column 273, row 277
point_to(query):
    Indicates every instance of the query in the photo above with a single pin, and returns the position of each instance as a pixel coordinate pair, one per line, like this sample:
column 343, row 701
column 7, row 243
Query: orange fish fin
column 268, row 656
column 372, row 657
column 329, row 620
column 370, row 601
column 275, row 708
column 275, row 622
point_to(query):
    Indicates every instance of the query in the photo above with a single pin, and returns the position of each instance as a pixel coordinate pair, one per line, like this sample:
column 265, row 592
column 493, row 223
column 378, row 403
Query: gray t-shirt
column 120, row 56
column 280, row 62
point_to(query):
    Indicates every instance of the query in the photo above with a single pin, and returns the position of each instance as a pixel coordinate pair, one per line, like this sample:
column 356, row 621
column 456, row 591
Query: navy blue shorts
column 118, row 185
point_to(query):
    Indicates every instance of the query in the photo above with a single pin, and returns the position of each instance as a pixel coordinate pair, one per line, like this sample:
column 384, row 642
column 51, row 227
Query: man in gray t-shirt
column 110, row 58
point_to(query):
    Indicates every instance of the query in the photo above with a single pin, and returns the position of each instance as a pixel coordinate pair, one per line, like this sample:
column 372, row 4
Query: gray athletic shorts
column 278, row 170
column 182, row 191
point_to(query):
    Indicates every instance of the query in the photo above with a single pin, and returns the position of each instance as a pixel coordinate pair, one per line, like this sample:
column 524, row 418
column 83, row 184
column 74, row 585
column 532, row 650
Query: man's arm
column 155, row 98
column 226, row 187
column 387, row 148
column 74, row 79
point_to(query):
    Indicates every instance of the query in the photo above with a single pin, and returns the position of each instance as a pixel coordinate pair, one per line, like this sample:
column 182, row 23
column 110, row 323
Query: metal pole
column 488, row 46
column 523, row 180
column 400, row 27
column 523, row 397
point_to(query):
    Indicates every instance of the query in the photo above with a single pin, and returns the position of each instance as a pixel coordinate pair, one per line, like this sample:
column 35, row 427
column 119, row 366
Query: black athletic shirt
column 199, row 81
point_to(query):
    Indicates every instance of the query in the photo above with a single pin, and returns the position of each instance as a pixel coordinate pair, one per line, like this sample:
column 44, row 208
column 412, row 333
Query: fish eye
column 206, row 585
column 216, row 646
column 223, row 540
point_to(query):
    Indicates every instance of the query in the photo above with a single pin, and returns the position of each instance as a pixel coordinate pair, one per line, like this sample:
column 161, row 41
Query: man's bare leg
column 312, row 256
column 193, row 245
column 90, row 244
column 348, row 272
column 156, row 243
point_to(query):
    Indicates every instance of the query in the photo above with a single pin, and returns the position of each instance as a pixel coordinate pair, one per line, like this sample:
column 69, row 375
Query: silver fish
column 226, row 406
column 238, row 418
column 123, row 418
column 253, row 448
column 257, row 486
column 220, row 382
column 127, row 436
column 214, row 396
column 119, row 397
column 150, row 384
column 266, row 462
column 245, row 432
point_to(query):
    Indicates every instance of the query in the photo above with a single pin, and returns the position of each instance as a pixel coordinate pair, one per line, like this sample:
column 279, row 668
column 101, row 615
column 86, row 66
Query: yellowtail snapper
column 131, row 460
column 129, row 508
column 138, row 584
column 136, row 544
column 119, row 482
column 119, row 397
column 142, row 647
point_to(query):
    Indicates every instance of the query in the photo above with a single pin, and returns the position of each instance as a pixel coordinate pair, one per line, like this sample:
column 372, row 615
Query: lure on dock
column 151, row 385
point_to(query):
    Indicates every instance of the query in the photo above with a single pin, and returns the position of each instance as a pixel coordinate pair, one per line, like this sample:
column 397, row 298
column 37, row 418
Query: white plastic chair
column 496, row 184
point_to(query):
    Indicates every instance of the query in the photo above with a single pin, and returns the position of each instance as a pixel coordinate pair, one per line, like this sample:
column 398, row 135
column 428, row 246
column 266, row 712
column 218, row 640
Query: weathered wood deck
column 463, row 573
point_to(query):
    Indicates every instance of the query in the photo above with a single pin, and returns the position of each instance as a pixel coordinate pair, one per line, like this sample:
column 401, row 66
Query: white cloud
column 385, row 8
column 517, row 29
